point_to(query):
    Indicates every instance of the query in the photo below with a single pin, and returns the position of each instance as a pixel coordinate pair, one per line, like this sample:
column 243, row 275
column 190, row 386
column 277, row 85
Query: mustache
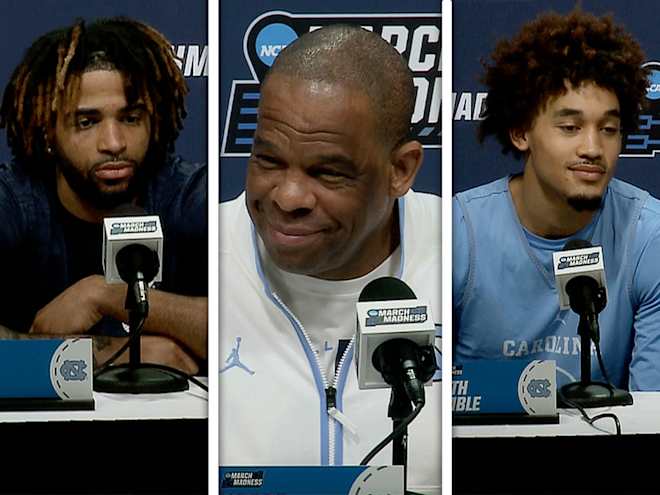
column 590, row 163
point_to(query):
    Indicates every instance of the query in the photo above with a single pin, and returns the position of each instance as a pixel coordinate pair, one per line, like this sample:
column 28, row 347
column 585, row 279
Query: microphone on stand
column 580, row 277
column 132, row 248
column 394, row 349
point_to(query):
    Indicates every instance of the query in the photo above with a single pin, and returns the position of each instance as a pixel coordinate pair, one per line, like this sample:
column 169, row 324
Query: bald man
column 328, row 207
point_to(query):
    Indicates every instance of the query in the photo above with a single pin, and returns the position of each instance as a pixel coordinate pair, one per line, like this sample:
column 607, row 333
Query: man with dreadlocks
column 92, row 113
column 561, row 94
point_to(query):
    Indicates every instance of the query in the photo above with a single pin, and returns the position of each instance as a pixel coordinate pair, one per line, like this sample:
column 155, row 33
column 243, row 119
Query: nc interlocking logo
column 247, row 479
column 645, row 142
column 416, row 36
column 538, row 388
column 73, row 370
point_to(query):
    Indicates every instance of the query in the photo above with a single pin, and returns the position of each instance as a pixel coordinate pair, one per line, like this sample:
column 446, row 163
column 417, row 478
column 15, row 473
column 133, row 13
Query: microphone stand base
column 593, row 394
column 124, row 379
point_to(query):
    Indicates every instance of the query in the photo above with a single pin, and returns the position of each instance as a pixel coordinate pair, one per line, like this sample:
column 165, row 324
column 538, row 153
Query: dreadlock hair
column 550, row 51
column 47, row 81
column 349, row 55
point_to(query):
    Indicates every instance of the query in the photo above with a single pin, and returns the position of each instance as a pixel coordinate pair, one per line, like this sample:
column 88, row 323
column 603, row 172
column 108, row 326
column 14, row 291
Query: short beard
column 89, row 191
column 583, row 203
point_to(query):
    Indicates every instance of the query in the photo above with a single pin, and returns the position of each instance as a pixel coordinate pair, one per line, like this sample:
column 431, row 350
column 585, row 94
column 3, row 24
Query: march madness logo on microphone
column 584, row 259
column 395, row 316
column 416, row 36
column 134, row 227
column 645, row 141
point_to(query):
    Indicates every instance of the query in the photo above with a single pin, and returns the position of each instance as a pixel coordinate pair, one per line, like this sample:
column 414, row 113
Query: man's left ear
column 406, row 160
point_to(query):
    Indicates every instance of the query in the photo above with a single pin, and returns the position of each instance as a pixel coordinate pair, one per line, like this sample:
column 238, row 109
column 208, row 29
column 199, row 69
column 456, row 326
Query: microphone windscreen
column 134, row 258
column 386, row 289
column 576, row 244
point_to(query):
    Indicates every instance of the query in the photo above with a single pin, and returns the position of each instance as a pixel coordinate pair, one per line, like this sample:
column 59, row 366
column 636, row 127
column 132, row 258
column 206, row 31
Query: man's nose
column 111, row 138
column 294, row 192
column 591, row 145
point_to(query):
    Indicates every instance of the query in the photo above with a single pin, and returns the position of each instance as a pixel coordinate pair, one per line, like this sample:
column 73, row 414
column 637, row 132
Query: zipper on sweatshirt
column 323, row 376
column 336, row 417
column 332, row 414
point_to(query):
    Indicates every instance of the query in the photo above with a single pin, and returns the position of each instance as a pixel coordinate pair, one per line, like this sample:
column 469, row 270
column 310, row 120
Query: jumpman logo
column 233, row 359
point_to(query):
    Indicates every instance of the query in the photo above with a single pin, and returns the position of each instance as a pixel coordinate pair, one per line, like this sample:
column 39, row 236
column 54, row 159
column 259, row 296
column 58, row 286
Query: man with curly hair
column 91, row 115
column 561, row 94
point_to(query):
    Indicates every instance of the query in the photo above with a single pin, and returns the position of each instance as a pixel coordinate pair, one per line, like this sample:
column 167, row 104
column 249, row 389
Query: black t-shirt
column 84, row 243
column 84, row 257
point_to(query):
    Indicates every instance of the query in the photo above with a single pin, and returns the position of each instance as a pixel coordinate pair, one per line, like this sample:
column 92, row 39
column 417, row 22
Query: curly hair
column 48, row 78
column 535, row 65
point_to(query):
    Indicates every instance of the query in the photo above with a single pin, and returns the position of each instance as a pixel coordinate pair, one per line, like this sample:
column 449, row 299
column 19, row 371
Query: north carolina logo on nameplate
column 504, row 391
column 45, row 374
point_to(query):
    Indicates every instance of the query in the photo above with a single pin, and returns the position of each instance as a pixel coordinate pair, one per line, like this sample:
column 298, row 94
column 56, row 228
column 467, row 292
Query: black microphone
column 397, row 354
column 137, row 265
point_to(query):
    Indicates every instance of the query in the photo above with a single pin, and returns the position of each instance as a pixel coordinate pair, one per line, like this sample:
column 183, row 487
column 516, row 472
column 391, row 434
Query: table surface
column 190, row 404
column 642, row 418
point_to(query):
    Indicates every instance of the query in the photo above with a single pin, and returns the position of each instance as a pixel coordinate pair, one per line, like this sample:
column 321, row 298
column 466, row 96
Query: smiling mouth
column 292, row 236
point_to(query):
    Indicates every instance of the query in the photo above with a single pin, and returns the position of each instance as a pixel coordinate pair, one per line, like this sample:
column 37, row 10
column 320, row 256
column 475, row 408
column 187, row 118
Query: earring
column 49, row 150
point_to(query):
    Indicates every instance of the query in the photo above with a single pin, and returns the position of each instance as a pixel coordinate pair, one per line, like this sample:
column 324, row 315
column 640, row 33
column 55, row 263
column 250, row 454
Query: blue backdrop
column 479, row 24
column 250, row 37
column 183, row 22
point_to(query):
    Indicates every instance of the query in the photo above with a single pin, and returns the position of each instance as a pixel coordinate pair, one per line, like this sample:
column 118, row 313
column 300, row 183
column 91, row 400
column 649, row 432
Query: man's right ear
column 519, row 139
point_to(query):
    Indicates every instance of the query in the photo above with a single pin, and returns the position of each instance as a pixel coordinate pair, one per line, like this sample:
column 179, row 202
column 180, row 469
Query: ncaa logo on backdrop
column 272, row 39
column 416, row 36
column 645, row 142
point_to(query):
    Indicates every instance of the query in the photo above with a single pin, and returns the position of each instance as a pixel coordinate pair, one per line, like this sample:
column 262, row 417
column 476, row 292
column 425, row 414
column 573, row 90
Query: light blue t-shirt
column 505, row 300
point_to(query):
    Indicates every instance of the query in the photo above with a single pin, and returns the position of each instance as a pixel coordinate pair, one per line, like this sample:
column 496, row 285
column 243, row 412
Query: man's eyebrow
column 95, row 111
column 262, row 143
column 84, row 111
column 573, row 112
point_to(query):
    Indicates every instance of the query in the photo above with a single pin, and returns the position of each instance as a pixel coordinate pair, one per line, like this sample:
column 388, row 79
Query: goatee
column 583, row 203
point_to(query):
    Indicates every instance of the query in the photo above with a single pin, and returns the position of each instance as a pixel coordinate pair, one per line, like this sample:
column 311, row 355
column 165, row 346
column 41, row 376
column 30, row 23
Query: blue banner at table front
column 311, row 480
column 57, row 369
column 505, row 387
